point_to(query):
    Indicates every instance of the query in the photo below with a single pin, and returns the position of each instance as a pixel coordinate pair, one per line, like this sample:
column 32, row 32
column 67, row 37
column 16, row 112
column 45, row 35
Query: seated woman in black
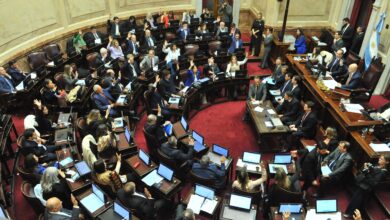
column 94, row 119
column 31, row 166
column 54, row 184
column 41, row 112
column 330, row 140
column 289, row 183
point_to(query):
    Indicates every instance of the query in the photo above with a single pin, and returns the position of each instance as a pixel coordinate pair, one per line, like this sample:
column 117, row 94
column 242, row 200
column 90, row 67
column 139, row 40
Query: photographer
column 226, row 12
column 366, row 180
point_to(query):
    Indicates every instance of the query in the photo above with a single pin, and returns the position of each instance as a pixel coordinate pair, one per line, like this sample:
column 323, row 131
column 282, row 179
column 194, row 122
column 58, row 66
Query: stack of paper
column 258, row 109
column 268, row 124
column 199, row 203
column 256, row 102
column 355, row 108
column 330, row 83
column 380, row 147
column 325, row 170
column 275, row 92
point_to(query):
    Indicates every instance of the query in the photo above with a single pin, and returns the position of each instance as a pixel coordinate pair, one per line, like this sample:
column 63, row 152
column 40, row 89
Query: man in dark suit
column 210, row 171
column 51, row 93
column 347, row 33
column 6, row 83
column 145, row 206
column 257, row 90
column 104, row 100
column 287, row 85
column 155, row 126
column 150, row 61
column 211, row 68
column 94, row 37
column 115, row 31
column 149, row 40
column 268, row 39
column 305, row 126
column 55, row 211
column 132, row 44
column 16, row 74
column 295, row 90
column 338, row 43
column 234, row 30
column 131, row 69
column 290, row 109
column 337, row 67
column 166, row 87
column 236, row 43
column 170, row 149
column 357, row 40
column 353, row 78
column 340, row 163
column 34, row 144
column 184, row 31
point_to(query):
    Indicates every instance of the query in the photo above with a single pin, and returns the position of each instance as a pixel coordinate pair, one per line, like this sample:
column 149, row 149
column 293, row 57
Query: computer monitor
column 121, row 211
column 198, row 146
column 240, row 202
column 204, row 191
column 98, row 192
column 144, row 157
column 282, row 158
column 293, row 208
column 82, row 168
column 183, row 123
column 197, row 137
column 220, row 150
column 165, row 172
column 127, row 134
column 326, row 205
column 251, row 157
column 3, row 214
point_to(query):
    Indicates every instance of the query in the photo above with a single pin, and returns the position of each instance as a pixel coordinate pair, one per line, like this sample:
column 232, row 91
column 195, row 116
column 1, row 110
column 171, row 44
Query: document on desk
column 325, row 170
column 271, row 111
column 256, row 102
column 275, row 92
column 209, row 206
column 269, row 80
column 249, row 166
column 258, row 109
column 268, row 124
column 355, row 108
column 381, row 147
column 330, row 83
column 311, row 214
column 152, row 178
column 195, row 203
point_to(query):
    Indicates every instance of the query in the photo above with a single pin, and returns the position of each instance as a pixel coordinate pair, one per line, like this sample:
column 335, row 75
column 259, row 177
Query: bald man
column 155, row 126
column 54, row 210
column 104, row 100
column 354, row 78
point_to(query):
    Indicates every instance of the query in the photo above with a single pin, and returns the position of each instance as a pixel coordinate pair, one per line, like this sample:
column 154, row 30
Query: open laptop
column 240, row 202
column 128, row 135
column 64, row 117
column 272, row 167
column 249, row 157
column 61, row 134
column 220, row 150
column 197, row 137
column 282, row 159
column 198, row 146
column 326, row 206
column 120, row 210
column 3, row 213
column 184, row 123
column 156, row 176
column 168, row 129
column 95, row 200
column 180, row 128
column 66, row 161
column 118, row 122
column 293, row 208
column 144, row 157
column 204, row 191
column 82, row 168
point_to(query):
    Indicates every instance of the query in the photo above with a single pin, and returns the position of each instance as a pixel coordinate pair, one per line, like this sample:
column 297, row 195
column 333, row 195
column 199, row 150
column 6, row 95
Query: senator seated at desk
column 35, row 145
column 149, row 62
column 6, row 83
column 354, row 78
column 15, row 72
column 337, row 66
column 290, row 109
column 55, row 210
column 94, row 37
column 210, row 171
column 104, row 100
column 51, row 94
column 155, row 126
column 244, row 183
column 181, row 155
column 131, row 70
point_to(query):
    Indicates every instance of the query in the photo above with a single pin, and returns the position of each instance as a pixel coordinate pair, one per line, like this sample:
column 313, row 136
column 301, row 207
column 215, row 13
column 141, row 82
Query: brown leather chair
column 255, row 195
column 200, row 180
column 91, row 60
column 53, row 52
column 178, row 168
column 279, row 195
column 169, row 36
column 81, row 124
column 214, row 46
column 191, row 49
column 37, row 60
column 28, row 192
column 152, row 144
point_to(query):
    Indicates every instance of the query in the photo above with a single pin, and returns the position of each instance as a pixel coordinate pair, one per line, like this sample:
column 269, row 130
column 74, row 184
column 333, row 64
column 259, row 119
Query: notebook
column 93, row 201
column 202, row 200
column 251, row 157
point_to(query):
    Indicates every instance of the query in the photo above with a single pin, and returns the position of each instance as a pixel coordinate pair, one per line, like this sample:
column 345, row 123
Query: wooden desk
column 64, row 153
column 142, row 169
column 79, row 184
column 111, row 215
column 168, row 189
column 202, row 214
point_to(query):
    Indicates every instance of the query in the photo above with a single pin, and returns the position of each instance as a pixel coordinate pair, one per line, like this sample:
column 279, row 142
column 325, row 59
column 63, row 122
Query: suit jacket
column 166, row 88
column 268, row 43
column 300, row 45
column 147, row 43
column 146, row 63
column 338, row 45
column 143, row 206
column 369, row 180
column 182, row 33
column 102, row 102
column 291, row 109
column 336, row 69
column 357, row 43
column 6, row 85
column 132, row 49
column 207, row 68
column 130, row 72
column 347, row 35
column 89, row 38
column 190, row 77
column 210, row 172
column 62, row 192
column 157, row 129
column 260, row 94
column 74, row 214
column 355, row 81
column 49, row 96
column 296, row 92
column 342, row 163
column 16, row 75
column 310, row 164
column 232, row 47
column 31, row 147
column 287, row 86
column 308, row 125
column 177, row 154
column 113, row 30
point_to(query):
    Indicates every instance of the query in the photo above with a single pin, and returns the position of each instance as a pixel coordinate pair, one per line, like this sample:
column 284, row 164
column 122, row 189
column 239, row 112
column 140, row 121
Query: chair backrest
column 81, row 126
column 280, row 195
column 53, row 51
column 169, row 36
column 372, row 75
column 214, row 46
column 28, row 192
column 163, row 158
column 255, row 195
column 352, row 58
column 91, row 59
column 37, row 60
column 191, row 49
column 31, row 178
column 198, row 179
column 152, row 144
column 147, row 99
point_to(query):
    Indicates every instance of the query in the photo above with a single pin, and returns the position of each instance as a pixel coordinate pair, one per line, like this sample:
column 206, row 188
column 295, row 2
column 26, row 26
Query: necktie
column 303, row 118
column 96, row 36
column 334, row 63
column 333, row 163
column 134, row 48
column 285, row 85
column 256, row 92
column 349, row 79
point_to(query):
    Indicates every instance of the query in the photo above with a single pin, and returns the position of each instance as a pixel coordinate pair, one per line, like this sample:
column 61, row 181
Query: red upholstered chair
column 37, row 60
column 214, row 46
column 53, row 52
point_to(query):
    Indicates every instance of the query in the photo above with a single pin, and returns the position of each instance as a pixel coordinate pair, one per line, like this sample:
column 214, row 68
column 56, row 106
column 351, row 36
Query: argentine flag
column 372, row 46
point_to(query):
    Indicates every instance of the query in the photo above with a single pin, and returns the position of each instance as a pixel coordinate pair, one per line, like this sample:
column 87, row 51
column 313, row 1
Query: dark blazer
column 44, row 124
column 355, row 81
column 207, row 68
column 132, row 48
column 260, row 94
column 357, row 42
column 102, row 102
column 31, row 147
column 336, row 69
column 129, row 71
column 113, row 29
column 343, row 163
column 49, row 96
column 291, row 110
column 157, row 129
column 89, row 38
column 369, row 180
column 54, row 216
column 232, row 47
column 347, row 35
column 6, row 85
column 62, row 192
column 166, row 88
column 296, row 92
column 183, row 34
column 285, row 87
column 211, row 172
column 308, row 125
column 338, row 45
column 332, row 145
column 310, row 164
column 144, row 207
column 147, row 43
column 258, row 25
column 177, row 154
column 16, row 75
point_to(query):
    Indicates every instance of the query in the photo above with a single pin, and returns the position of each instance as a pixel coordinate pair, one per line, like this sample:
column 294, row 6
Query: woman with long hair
column 115, row 49
column 244, row 183
column 54, row 184
column 300, row 42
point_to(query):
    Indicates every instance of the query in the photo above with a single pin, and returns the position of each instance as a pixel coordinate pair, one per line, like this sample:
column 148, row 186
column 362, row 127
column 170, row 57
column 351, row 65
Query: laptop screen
column 272, row 167
column 144, row 157
column 220, row 150
column 127, row 134
column 3, row 214
column 197, row 137
column 292, row 208
column 121, row 211
column 168, row 129
column 242, row 202
column 282, row 158
column 82, row 168
column 198, row 146
column 98, row 192
column 251, row 157
column 183, row 123
column 326, row 205
column 165, row 172
column 204, row 191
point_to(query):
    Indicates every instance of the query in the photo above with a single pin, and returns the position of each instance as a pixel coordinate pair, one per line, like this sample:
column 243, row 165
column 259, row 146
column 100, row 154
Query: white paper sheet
column 275, row 92
column 355, row 108
column 258, row 109
column 152, row 178
column 330, row 83
column 325, row 170
column 380, row 147
column 195, row 203
column 385, row 115
column 271, row 111
column 256, row 102
column 209, row 206
column 268, row 124
column 311, row 214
